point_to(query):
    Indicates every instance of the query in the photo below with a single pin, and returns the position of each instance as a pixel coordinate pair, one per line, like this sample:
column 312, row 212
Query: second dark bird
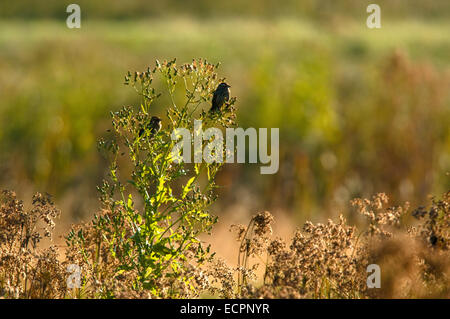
column 220, row 96
column 153, row 126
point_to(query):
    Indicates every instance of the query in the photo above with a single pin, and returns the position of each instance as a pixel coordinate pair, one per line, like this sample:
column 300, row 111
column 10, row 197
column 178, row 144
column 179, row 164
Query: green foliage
column 331, row 92
column 158, row 210
column 133, row 9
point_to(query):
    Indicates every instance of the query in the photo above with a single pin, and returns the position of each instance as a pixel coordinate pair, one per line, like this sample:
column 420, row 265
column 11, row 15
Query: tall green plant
column 156, row 212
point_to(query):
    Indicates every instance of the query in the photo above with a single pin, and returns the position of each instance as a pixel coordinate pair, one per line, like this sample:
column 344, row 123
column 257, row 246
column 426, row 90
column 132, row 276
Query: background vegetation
column 360, row 111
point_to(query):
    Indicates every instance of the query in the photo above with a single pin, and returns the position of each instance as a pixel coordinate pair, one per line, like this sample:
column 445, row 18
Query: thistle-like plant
column 154, row 215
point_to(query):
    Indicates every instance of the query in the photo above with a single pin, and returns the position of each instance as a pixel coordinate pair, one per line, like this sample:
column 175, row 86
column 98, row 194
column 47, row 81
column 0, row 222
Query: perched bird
column 153, row 126
column 220, row 96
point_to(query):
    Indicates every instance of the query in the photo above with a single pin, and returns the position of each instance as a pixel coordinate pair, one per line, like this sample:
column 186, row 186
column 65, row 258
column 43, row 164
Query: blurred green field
column 266, row 9
column 359, row 111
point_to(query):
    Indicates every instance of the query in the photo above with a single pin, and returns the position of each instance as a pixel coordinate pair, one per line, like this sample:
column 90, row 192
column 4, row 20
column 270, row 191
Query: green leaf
column 161, row 249
column 130, row 202
column 187, row 187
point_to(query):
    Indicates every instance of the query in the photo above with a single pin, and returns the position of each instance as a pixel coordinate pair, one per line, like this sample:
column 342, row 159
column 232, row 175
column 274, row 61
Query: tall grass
column 337, row 94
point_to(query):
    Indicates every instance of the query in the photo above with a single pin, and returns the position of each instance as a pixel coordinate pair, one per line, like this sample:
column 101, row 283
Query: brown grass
column 320, row 260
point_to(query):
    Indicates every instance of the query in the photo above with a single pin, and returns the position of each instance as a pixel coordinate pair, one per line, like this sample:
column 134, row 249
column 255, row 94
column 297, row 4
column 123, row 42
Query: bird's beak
column 228, row 85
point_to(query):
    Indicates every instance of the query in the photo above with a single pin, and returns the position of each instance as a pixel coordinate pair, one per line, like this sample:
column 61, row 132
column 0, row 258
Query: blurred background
column 360, row 110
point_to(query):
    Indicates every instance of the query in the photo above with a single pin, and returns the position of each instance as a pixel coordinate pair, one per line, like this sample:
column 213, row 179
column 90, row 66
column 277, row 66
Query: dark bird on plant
column 153, row 126
column 220, row 96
